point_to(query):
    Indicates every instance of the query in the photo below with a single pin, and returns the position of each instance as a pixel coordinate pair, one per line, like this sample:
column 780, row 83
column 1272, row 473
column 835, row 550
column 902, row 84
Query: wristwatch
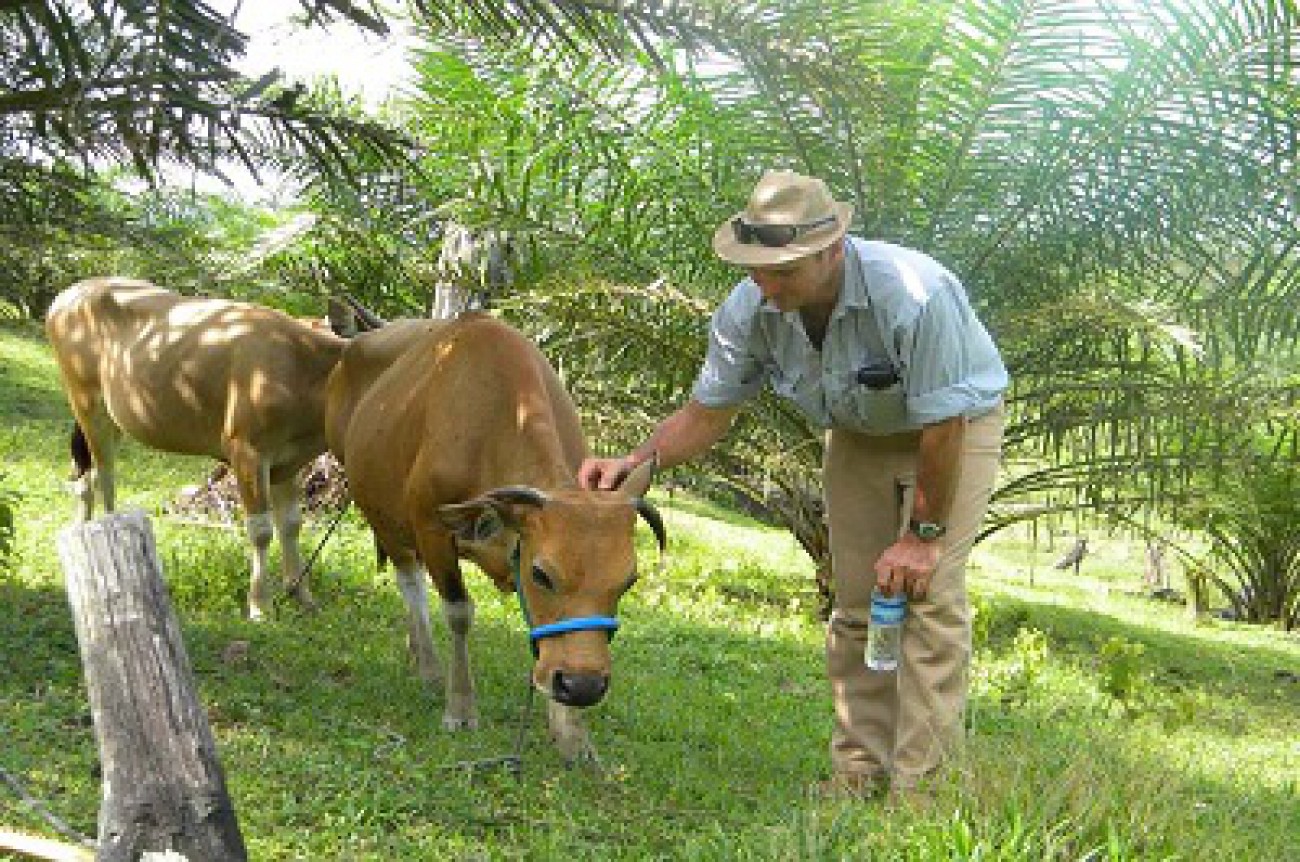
column 926, row 531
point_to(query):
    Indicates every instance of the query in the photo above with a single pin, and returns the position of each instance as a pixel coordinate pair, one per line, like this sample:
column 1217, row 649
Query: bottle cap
column 888, row 610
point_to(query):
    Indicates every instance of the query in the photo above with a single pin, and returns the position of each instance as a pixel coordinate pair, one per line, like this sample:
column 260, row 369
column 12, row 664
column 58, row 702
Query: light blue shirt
column 896, row 304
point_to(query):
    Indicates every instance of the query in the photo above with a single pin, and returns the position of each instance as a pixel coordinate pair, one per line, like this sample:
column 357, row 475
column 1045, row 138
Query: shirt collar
column 853, row 292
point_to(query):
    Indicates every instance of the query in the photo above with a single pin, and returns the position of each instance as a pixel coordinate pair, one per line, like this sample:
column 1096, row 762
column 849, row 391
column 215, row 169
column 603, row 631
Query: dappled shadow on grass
column 1259, row 674
column 321, row 720
column 1161, row 793
column 334, row 700
column 712, row 728
column 46, row 739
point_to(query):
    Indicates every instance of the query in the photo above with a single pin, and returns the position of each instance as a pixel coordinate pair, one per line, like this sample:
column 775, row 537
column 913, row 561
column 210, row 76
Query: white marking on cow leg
column 461, row 712
column 288, row 525
column 83, row 488
column 569, row 731
column 260, row 532
column 102, row 438
column 414, row 586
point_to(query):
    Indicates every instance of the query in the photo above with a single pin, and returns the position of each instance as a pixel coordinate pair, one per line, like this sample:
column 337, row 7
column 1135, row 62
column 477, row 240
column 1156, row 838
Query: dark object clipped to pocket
column 877, row 374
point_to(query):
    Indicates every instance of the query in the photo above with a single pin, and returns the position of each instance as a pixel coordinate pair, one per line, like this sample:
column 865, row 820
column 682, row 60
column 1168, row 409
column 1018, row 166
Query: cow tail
column 81, row 460
column 381, row 558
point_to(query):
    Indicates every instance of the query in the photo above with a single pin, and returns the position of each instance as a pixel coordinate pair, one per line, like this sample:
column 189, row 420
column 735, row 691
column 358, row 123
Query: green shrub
column 8, row 500
column 995, row 619
column 1126, row 678
column 1122, row 676
column 1018, row 678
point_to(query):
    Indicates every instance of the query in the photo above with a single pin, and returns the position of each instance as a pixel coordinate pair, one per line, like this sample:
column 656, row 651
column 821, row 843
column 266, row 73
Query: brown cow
column 460, row 441
column 200, row 377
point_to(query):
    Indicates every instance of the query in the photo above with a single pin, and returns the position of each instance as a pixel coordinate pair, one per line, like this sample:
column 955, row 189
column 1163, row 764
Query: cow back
column 443, row 411
column 184, row 374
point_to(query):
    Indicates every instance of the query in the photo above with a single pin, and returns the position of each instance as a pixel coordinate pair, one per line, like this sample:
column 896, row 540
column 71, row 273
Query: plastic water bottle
column 884, row 634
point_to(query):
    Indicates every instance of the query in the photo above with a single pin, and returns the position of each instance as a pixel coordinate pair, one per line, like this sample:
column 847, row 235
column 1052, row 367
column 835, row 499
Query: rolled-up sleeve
column 939, row 381
column 732, row 373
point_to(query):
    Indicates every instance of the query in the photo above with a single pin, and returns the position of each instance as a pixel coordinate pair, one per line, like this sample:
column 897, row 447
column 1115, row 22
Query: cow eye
column 542, row 579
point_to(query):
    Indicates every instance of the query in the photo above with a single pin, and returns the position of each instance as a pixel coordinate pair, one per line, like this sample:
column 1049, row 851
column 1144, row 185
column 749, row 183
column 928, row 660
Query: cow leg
column 261, row 529
column 83, row 488
column 101, row 437
column 569, row 732
column 414, row 586
column 288, row 524
column 461, row 712
column 253, row 479
column 438, row 550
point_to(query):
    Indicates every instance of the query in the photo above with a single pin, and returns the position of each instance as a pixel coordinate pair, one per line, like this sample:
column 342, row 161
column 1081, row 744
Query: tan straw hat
column 788, row 216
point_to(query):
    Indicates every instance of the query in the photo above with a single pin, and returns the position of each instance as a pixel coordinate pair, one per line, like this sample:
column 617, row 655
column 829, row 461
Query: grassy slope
column 716, row 722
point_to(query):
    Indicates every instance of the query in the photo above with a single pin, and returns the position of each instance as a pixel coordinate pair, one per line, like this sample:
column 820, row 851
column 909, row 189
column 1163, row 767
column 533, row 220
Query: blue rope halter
column 572, row 624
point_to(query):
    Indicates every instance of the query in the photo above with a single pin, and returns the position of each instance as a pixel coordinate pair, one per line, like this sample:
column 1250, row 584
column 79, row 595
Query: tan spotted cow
column 214, row 377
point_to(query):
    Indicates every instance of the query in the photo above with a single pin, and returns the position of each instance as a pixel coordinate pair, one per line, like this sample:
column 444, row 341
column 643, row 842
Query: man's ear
column 475, row 521
column 638, row 481
column 835, row 251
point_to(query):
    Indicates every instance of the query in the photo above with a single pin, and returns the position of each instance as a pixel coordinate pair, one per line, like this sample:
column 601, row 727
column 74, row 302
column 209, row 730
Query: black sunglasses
column 775, row 235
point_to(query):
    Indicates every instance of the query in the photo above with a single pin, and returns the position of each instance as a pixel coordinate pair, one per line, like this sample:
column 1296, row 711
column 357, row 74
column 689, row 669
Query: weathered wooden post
column 473, row 265
column 163, row 786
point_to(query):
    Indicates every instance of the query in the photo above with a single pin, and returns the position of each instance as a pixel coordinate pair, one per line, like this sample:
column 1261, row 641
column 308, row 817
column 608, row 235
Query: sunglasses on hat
column 774, row 235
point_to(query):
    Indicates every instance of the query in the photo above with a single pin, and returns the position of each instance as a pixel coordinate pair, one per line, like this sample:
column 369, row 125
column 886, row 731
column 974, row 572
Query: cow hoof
column 585, row 759
column 455, row 722
column 576, row 751
column 256, row 615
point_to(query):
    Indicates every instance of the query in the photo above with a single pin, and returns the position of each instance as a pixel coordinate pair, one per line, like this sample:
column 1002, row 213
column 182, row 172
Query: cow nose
column 578, row 689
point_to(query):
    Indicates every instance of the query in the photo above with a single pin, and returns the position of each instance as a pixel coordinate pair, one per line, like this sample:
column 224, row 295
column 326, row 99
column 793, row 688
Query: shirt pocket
column 882, row 411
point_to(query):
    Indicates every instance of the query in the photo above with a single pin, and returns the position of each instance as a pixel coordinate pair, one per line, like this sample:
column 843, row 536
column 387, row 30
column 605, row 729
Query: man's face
column 806, row 281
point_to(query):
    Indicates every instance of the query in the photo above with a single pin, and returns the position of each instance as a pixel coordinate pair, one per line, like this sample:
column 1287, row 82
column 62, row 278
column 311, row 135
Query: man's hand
column 675, row 440
column 605, row 474
column 907, row 566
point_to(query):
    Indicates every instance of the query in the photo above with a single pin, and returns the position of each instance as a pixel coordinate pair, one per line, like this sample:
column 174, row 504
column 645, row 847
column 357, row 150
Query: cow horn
column 519, row 494
column 646, row 510
column 365, row 315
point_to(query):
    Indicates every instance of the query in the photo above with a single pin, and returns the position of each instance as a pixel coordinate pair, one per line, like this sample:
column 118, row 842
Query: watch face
column 927, row 530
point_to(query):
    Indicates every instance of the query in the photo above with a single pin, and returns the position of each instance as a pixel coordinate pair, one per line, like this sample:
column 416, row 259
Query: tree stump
column 1198, row 592
column 163, row 787
column 1154, row 575
column 1073, row 558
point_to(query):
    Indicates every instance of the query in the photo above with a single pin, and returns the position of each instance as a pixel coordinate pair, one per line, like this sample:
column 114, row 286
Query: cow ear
column 475, row 521
column 638, row 481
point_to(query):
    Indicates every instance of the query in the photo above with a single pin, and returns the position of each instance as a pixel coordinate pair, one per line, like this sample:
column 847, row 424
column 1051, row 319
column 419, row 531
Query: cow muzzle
column 578, row 689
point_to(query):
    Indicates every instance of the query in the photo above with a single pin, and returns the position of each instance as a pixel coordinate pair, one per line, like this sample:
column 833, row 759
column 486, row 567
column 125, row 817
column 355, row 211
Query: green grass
column 717, row 721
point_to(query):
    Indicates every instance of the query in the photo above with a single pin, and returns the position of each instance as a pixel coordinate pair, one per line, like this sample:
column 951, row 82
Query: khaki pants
column 900, row 725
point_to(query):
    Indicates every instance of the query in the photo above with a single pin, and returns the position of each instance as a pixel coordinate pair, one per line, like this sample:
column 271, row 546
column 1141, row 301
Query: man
column 877, row 344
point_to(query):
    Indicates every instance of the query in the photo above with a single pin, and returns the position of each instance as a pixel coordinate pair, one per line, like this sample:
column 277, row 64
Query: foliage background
column 1114, row 182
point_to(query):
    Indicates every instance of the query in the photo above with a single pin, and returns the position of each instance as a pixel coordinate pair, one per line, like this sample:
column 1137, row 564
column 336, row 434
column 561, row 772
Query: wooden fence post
column 163, row 788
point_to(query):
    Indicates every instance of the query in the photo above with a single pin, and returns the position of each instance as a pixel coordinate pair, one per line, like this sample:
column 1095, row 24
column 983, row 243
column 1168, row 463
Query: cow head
column 572, row 558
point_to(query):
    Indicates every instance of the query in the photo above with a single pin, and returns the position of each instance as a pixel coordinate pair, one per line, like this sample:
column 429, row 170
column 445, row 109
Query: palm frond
column 140, row 81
